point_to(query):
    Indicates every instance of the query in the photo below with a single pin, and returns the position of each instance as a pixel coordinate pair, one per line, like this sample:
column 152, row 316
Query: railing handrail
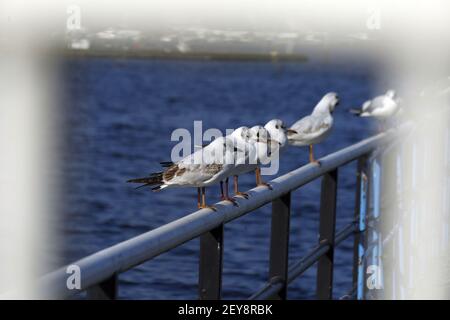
column 123, row 256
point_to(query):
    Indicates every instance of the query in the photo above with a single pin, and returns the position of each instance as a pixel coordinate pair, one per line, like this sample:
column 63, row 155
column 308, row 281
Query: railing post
column 326, row 234
column 279, row 242
column 375, row 226
column 106, row 290
column 210, row 265
column 360, row 220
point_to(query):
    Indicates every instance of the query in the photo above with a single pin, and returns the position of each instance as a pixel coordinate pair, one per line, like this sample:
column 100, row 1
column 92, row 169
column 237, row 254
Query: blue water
column 120, row 115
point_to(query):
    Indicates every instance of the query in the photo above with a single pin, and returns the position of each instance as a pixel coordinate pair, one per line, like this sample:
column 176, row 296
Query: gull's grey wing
column 310, row 130
column 311, row 124
column 304, row 125
column 376, row 103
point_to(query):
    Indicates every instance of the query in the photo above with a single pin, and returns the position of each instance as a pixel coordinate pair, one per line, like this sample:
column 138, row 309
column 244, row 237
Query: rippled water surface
column 120, row 116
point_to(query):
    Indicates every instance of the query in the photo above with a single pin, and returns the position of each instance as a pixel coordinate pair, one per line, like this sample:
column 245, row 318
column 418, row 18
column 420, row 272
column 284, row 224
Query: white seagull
column 381, row 107
column 201, row 169
column 272, row 140
column 256, row 146
column 316, row 127
column 245, row 160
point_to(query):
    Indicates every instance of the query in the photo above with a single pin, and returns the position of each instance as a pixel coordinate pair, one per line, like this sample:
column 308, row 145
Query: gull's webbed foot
column 205, row 206
column 242, row 194
column 234, row 202
column 317, row 162
column 265, row 184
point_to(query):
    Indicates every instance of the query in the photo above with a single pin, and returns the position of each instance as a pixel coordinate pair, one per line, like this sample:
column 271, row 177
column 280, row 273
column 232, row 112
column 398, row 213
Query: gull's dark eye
column 277, row 127
column 257, row 135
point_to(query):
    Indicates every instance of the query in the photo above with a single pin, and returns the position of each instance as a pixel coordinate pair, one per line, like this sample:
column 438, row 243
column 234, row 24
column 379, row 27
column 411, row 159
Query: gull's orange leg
column 259, row 181
column 203, row 204
column 226, row 196
column 311, row 155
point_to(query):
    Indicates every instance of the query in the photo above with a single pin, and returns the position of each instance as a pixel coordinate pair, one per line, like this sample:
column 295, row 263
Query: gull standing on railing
column 272, row 140
column 255, row 142
column 245, row 140
column 203, row 168
column 316, row 127
column 381, row 108
column 259, row 147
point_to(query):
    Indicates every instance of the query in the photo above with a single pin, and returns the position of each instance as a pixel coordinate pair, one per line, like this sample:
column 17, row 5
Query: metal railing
column 99, row 271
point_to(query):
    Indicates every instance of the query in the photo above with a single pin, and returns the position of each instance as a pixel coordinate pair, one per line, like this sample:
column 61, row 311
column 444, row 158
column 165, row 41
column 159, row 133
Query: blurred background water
column 119, row 119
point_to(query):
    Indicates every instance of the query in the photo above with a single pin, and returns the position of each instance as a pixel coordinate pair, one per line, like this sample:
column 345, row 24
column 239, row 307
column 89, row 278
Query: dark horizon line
column 199, row 55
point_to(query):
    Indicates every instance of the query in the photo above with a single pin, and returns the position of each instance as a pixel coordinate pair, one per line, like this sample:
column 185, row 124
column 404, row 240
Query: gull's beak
column 290, row 131
column 338, row 100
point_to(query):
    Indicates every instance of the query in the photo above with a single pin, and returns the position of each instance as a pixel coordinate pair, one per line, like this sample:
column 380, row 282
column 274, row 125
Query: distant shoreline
column 207, row 56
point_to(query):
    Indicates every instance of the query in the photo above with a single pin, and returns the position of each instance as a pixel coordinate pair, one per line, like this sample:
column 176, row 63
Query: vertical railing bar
column 105, row 290
column 360, row 218
column 279, row 242
column 376, row 228
column 326, row 234
column 373, row 234
column 210, row 264
column 368, row 250
column 391, row 200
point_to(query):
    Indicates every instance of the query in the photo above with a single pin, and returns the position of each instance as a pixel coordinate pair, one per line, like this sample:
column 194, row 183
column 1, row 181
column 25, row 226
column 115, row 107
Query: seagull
column 245, row 140
column 316, row 127
column 201, row 169
column 259, row 148
column 381, row 107
column 250, row 141
column 272, row 139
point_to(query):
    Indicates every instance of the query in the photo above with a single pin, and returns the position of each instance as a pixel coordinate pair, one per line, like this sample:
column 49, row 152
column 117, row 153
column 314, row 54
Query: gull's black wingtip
column 153, row 179
column 354, row 111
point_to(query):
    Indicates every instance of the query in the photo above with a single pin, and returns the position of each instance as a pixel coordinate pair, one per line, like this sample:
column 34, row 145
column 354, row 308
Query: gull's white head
column 277, row 131
column 390, row 93
column 259, row 134
column 264, row 147
column 259, row 141
column 327, row 103
column 241, row 134
column 222, row 150
column 243, row 142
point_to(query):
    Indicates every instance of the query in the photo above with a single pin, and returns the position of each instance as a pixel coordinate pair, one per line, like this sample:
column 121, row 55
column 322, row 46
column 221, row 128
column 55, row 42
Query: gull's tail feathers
column 153, row 179
column 166, row 164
